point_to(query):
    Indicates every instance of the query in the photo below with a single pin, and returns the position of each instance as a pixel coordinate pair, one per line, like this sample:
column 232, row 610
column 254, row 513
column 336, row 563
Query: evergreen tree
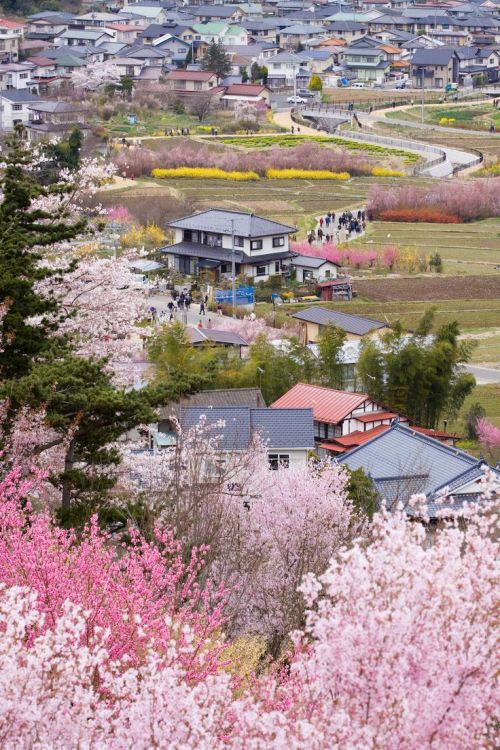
column 38, row 369
column 331, row 368
column 315, row 83
column 216, row 60
column 23, row 232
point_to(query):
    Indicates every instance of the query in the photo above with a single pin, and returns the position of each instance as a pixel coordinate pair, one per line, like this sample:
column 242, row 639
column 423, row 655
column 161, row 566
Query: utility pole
column 233, row 269
column 422, row 72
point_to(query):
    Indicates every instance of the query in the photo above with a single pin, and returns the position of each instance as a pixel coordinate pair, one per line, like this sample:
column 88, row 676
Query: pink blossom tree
column 489, row 437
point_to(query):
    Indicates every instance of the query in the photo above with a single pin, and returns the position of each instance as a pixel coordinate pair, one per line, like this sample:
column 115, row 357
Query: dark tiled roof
column 195, row 250
column 437, row 56
column 219, row 220
column 201, row 335
column 402, row 462
column 235, row 426
column 19, row 97
column 350, row 323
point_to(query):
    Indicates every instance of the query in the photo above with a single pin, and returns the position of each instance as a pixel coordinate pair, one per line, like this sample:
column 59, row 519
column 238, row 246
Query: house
column 54, row 120
column 47, row 24
column 369, row 64
column 434, row 68
column 82, row 38
column 175, row 50
column 212, row 336
column 402, row 462
column 309, row 267
column 189, row 82
column 218, row 12
column 248, row 93
column 11, row 34
column 336, row 413
column 348, row 30
column 17, row 76
column 212, row 238
column 287, row 434
column 291, row 37
column 124, row 32
column 14, row 108
column 44, row 73
column 283, row 68
column 220, row 31
column 314, row 319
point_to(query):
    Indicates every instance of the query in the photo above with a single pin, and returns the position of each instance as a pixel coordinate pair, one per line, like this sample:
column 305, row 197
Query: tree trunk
column 68, row 466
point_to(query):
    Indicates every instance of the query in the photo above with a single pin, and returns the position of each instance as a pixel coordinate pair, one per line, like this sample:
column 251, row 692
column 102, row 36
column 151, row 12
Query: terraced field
column 465, row 248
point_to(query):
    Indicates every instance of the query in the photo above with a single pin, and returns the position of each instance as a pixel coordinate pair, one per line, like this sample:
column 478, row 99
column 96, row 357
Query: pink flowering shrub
column 139, row 594
column 466, row 200
column 249, row 330
column 399, row 651
column 358, row 258
column 137, row 161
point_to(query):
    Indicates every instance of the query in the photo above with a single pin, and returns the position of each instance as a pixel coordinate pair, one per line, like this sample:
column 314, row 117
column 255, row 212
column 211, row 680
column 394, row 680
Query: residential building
column 211, row 239
column 370, row 65
column 11, row 34
column 336, row 413
column 291, row 37
column 214, row 337
column 309, row 267
column 189, row 82
column 402, row 462
column 286, row 67
column 248, row 93
column 314, row 319
column 54, row 120
column 14, row 108
column 435, row 68
column 17, row 76
column 287, row 434
column 82, row 38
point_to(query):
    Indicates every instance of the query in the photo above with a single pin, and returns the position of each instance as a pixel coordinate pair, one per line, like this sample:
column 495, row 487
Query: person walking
column 321, row 220
column 219, row 310
column 202, row 307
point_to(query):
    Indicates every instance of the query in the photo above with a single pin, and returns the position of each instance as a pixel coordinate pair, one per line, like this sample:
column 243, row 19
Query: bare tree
column 201, row 105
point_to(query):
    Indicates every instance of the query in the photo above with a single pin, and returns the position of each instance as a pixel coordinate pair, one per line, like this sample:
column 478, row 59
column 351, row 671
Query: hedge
column 305, row 174
column 204, row 173
column 421, row 214
column 386, row 172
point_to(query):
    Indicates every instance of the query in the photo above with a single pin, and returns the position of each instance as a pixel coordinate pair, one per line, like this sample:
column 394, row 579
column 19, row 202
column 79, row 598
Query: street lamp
column 422, row 73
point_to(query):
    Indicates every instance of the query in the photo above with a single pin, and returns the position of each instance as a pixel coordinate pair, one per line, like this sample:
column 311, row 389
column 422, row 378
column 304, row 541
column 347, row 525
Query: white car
column 296, row 100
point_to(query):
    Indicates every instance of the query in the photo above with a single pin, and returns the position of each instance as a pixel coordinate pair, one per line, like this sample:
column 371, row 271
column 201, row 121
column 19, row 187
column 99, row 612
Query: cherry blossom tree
column 489, row 436
column 95, row 76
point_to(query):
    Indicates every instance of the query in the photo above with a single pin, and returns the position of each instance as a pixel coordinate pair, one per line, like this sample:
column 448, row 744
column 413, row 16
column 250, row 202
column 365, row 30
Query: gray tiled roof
column 402, row 462
column 195, row 250
column 249, row 397
column 350, row 323
column 201, row 335
column 219, row 220
column 280, row 429
column 437, row 56
column 19, row 96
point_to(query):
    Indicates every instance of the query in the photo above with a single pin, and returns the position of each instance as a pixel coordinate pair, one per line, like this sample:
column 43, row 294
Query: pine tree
column 216, row 60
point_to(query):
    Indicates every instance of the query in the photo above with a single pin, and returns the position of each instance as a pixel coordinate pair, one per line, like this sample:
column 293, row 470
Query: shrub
column 203, row 173
column 430, row 215
column 305, row 174
column 386, row 172
column 466, row 200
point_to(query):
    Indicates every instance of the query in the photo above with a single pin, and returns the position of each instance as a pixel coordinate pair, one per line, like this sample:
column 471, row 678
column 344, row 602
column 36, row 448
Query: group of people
column 339, row 227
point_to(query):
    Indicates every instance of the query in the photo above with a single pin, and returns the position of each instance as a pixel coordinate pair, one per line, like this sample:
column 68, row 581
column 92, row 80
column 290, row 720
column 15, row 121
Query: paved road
column 484, row 375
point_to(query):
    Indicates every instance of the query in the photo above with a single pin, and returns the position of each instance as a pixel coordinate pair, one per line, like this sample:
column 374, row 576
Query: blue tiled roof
column 234, row 427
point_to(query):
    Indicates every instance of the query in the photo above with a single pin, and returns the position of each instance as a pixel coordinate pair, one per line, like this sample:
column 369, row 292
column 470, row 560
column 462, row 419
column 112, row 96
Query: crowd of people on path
column 339, row 228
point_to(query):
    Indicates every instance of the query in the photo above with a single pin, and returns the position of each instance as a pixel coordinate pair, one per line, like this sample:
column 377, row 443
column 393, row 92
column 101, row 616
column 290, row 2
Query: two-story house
column 368, row 64
column 337, row 414
column 17, row 76
column 14, row 108
column 219, row 31
column 285, row 68
column 287, row 434
column 434, row 68
column 11, row 34
column 210, row 240
column 291, row 37
column 53, row 120
column 189, row 82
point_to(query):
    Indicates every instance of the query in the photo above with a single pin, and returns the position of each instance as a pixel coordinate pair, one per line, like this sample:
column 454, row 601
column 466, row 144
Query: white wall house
column 14, row 108
column 18, row 76
column 207, row 240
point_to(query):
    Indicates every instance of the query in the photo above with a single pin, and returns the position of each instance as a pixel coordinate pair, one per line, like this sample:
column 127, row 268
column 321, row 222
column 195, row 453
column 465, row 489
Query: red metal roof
column 343, row 444
column 438, row 434
column 245, row 89
column 5, row 23
column 328, row 405
column 375, row 416
column 189, row 75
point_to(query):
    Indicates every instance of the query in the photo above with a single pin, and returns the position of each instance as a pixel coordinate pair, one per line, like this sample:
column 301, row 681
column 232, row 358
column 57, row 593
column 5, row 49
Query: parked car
column 306, row 93
column 296, row 100
column 358, row 85
column 402, row 84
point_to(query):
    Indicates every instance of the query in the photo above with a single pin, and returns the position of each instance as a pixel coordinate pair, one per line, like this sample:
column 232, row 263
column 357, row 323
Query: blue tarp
column 244, row 296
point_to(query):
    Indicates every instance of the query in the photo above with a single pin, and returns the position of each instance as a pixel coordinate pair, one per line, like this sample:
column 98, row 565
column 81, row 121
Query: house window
column 256, row 245
column 277, row 460
column 223, row 267
column 277, row 266
column 23, row 75
column 239, row 241
column 278, row 241
column 17, row 107
column 198, row 85
column 261, row 271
